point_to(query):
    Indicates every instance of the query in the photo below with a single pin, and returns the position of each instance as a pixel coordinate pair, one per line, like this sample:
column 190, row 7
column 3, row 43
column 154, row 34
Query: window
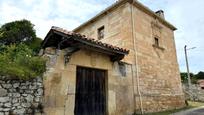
column 122, row 69
column 101, row 33
column 156, row 41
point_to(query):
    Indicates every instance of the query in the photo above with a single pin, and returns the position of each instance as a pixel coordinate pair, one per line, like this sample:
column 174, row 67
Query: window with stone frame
column 156, row 33
column 156, row 41
column 122, row 69
column 101, row 32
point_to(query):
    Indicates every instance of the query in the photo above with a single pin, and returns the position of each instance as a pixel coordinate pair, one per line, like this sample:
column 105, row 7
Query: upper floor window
column 101, row 32
column 156, row 41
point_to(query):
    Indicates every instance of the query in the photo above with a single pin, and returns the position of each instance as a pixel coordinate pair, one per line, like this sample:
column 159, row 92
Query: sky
column 186, row 15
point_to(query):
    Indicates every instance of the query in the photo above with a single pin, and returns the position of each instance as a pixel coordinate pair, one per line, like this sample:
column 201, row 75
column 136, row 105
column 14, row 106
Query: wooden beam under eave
column 116, row 58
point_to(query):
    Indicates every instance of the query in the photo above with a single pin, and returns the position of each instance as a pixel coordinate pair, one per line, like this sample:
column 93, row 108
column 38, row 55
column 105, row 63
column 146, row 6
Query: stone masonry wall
column 156, row 67
column 195, row 94
column 19, row 97
column 60, row 82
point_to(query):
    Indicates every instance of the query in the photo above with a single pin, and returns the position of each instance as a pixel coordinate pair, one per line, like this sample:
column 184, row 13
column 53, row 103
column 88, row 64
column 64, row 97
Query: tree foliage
column 200, row 75
column 35, row 45
column 194, row 77
column 184, row 77
column 18, row 48
column 21, row 31
column 20, row 62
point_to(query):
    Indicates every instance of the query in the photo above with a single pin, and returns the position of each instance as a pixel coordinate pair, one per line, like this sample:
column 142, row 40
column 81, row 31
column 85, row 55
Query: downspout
column 133, row 82
column 136, row 58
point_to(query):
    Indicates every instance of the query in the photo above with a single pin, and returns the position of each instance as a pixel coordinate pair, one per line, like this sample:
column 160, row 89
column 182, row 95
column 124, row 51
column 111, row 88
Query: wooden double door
column 90, row 92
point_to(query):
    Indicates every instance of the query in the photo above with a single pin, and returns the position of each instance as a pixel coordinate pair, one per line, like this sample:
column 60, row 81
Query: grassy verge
column 190, row 106
column 195, row 104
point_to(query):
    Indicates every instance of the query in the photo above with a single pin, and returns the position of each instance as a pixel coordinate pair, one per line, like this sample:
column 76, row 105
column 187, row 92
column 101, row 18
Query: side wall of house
column 158, row 70
column 60, row 82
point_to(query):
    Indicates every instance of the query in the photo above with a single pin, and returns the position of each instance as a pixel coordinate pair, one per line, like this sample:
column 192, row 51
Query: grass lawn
column 190, row 106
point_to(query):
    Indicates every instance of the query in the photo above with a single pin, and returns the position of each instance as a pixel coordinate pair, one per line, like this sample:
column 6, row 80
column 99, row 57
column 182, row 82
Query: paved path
column 195, row 111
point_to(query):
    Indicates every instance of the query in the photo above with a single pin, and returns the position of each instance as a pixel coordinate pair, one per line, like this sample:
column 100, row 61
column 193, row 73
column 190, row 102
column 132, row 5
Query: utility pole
column 187, row 66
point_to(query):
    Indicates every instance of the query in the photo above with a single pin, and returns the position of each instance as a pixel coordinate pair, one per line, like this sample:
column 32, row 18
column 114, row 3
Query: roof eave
column 104, row 12
column 153, row 14
column 75, row 37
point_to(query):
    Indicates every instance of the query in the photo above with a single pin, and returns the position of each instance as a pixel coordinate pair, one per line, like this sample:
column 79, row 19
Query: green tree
column 18, row 48
column 17, row 32
column 200, row 75
column 35, row 45
column 184, row 77
column 19, row 61
column 21, row 31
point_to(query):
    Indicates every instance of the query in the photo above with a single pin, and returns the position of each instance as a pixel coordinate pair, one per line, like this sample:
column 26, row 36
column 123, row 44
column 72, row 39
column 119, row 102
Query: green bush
column 35, row 45
column 20, row 62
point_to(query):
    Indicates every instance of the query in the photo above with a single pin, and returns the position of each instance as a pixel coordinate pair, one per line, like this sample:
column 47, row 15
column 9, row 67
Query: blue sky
column 186, row 15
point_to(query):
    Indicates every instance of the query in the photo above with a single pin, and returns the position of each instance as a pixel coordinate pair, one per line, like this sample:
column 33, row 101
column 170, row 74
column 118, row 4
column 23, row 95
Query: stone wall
column 156, row 67
column 19, row 97
column 60, row 82
column 195, row 94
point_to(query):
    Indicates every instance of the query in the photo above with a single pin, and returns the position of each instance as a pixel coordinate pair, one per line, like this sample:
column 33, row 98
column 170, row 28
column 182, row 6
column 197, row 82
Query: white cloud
column 46, row 13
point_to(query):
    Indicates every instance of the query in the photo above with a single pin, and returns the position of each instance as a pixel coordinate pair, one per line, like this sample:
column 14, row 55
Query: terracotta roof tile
column 58, row 29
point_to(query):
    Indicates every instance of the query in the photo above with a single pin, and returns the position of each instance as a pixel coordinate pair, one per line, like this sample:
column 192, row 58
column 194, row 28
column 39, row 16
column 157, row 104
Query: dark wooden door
column 90, row 92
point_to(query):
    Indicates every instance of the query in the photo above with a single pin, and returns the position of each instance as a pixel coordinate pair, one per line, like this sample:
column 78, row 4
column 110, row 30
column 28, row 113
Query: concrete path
column 194, row 111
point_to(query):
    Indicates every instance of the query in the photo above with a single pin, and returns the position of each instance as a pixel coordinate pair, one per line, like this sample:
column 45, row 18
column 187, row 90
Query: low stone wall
column 196, row 93
column 19, row 97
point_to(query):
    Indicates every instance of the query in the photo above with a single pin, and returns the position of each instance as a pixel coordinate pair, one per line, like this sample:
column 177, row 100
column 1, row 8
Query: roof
column 121, row 2
column 57, row 35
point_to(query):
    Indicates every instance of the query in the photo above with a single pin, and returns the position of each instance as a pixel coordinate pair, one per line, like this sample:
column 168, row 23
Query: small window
column 122, row 69
column 156, row 41
column 101, row 33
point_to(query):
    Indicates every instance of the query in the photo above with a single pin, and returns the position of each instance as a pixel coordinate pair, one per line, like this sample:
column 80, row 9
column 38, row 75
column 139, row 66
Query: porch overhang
column 61, row 39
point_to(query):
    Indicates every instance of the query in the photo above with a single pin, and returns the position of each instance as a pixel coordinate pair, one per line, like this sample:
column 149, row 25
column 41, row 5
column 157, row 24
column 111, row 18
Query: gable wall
column 158, row 70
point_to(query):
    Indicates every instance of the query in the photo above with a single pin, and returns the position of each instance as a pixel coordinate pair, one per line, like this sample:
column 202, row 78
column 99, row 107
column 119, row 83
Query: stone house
column 201, row 83
column 119, row 62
